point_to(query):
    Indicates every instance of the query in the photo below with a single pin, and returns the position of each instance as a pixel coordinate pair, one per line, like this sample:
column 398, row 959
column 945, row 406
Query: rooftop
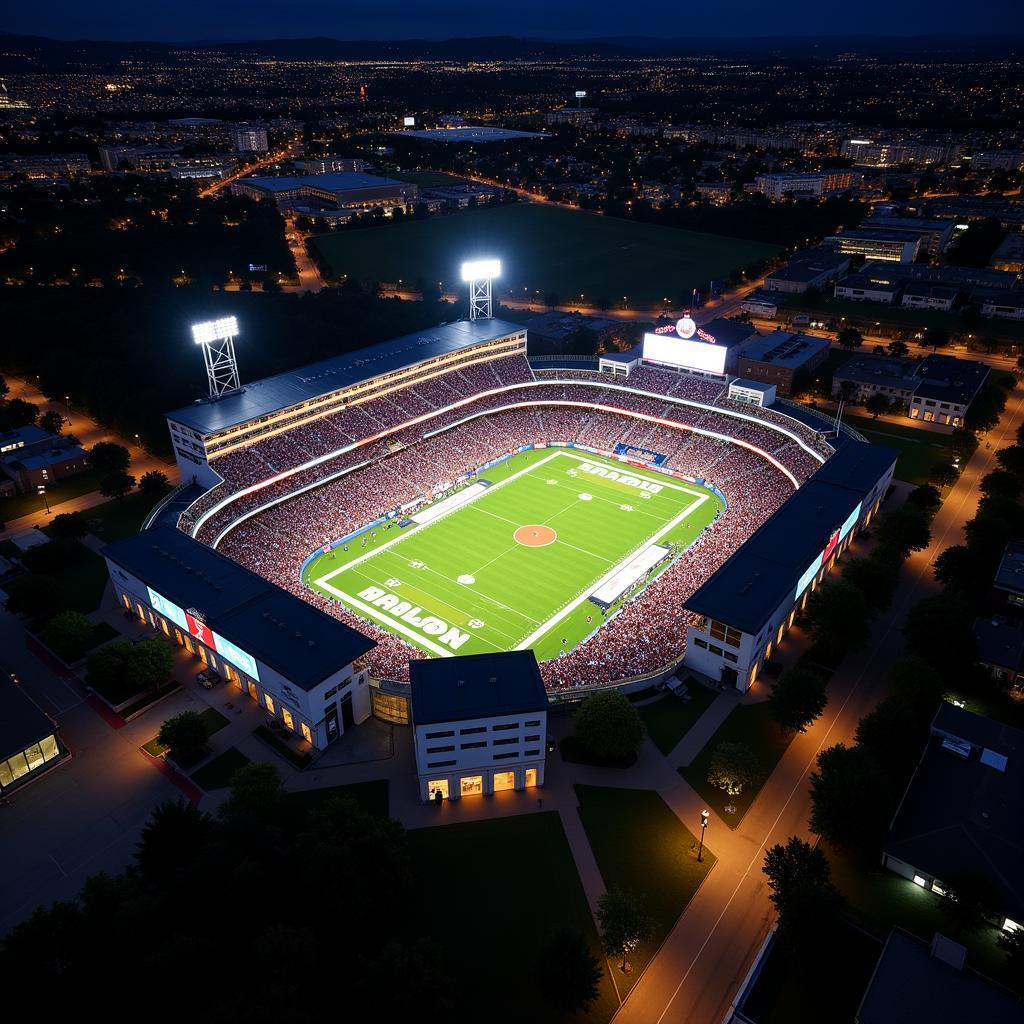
column 475, row 686
column 911, row 984
column 471, row 133
column 757, row 578
column 1010, row 574
column 277, row 628
column 999, row 643
column 329, row 181
column 961, row 816
column 263, row 397
column 21, row 721
column 784, row 348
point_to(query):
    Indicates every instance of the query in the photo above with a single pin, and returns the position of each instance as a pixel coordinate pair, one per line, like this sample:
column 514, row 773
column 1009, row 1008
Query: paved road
column 700, row 967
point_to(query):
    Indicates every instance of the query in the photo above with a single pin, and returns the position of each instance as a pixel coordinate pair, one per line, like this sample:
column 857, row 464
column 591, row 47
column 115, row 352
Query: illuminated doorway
column 471, row 785
column 531, row 778
column 435, row 786
column 503, row 781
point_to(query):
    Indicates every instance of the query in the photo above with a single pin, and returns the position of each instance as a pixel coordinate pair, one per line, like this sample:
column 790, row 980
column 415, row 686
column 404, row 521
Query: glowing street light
column 704, row 815
column 478, row 274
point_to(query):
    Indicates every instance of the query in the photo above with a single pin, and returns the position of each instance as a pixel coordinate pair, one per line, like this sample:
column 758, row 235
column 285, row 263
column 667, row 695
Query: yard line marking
column 580, row 598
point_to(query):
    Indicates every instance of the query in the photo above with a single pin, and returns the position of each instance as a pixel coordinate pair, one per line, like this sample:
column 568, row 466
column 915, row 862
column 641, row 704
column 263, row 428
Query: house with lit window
column 479, row 724
column 302, row 666
column 29, row 742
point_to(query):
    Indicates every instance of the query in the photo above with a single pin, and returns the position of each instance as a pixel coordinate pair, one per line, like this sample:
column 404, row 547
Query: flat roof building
column 812, row 268
column 884, row 244
column 470, row 134
column 479, row 724
column 341, row 189
column 781, row 358
column 1010, row 254
column 29, row 741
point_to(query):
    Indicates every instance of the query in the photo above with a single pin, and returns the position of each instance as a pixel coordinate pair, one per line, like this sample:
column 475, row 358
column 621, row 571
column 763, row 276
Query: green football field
column 510, row 561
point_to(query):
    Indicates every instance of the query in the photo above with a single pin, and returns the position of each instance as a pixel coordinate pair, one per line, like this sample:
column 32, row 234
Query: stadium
column 445, row 493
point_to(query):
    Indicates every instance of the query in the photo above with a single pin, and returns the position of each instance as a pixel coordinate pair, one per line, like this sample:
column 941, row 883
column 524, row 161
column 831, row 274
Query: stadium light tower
column 581, row 95
column 218, row 340
column 479, row 274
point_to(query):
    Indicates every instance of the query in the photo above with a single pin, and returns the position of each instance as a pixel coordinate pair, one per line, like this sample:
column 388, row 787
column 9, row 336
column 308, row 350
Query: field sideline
column 513, row 565
column 543, row 249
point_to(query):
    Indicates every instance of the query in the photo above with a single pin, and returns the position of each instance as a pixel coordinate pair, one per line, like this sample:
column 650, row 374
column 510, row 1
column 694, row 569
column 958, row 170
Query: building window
column 440, row 750
column 533, row 721
column 471, row 785
column 306, row 734
column 506, row 742
column 504, row 728
column 505, row 757
column 700, row 643
column 440, row 764
column 269, row 701
column 435, row 786
column 474, row 729
column 503, row 781
column 532, row 738
column 288, row 720
column 439, row 735
column 532, row 753
column 531, row 778
column 473, row 746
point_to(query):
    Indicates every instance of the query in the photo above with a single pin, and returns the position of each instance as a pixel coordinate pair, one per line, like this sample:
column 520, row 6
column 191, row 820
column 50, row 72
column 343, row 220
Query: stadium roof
column 475, row 686
column 262, row 397
column 330, row 181
column 21, row 721
column 757, row 578
column 281, row 630
column 910, row 983
column 471, row 133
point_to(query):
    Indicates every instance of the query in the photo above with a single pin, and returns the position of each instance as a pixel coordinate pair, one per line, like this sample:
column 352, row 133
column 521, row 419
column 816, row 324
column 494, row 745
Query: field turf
column 543, row 249
column 463, row 583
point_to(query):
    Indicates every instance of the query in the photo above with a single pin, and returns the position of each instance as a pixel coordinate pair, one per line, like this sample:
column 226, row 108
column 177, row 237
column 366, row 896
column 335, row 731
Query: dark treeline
column 126, row 355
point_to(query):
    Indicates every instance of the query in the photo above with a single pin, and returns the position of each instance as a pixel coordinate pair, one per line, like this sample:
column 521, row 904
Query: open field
column 513, row 565
column 919, row 449
column 543, row 249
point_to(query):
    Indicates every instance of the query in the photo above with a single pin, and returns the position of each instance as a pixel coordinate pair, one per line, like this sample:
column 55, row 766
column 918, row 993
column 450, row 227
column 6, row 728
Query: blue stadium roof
column 277, row 628
column 756, row 579
column 475, row 686
column 262, row 397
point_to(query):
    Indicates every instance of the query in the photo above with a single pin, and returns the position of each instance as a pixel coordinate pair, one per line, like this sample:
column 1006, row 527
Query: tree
column 169, row 842
column 68, row 634
column 1012, row 459
column 838, row 613
column 5, row 389
column 877, row 404
column 52, row 422
column 797, row 699
column 850, row 338
column 624, row 923
column 149, row 664
column 874, row 578
column 116, row 485
column 957, row 568
column 851, row 798
column 943, row 473
column 108, row 457
column 185, row 736
column 939, row 630
column 897, row 349
column 69, row 526
column 894, row 736
column 970, row 899
column 912, row 682
column 34, row 595
column 608, row 725
column 937, row 337
column 733, row 767
column 18, row 413
column 1001, row 483
column 153, row 484
column 924, row 499
column 568, row 973
column 254, row 788
column 801, row 890
column 904, row 530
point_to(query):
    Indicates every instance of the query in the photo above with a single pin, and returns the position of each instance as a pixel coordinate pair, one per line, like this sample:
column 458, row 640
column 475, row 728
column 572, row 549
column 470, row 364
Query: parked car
column 208, row 678
column 681, row 690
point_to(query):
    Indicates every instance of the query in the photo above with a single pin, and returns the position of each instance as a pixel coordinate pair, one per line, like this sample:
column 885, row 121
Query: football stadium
column 446, row 494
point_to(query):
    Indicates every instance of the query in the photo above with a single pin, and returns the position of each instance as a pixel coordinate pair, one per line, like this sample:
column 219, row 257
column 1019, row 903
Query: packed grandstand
column 400, row 440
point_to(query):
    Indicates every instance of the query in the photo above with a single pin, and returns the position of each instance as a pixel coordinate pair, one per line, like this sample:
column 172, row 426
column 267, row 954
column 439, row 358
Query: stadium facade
column 287, row 468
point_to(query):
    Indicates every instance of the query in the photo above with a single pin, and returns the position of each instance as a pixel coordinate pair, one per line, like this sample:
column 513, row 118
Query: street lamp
column 704, row 815
column 41, row 491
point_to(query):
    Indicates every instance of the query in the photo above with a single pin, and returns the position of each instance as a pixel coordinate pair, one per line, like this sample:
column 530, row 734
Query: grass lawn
column 880, row 900
column 786, row 994
column 668, row 720
column 641, row 845
column 427, row 179
column 919, row 449
column 753, row 725
column 212, row 719
column 543, row 249
column 19, row 505
column 491, row 894
column 217, row 774
column 115, row 520
column 372, row 797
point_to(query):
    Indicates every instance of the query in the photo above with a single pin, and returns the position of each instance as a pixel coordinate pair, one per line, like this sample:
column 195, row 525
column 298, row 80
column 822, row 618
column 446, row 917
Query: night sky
column 562, row 19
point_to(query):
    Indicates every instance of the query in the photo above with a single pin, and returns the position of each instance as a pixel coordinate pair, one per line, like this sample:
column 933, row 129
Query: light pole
column 41, row 490
column 704, row 815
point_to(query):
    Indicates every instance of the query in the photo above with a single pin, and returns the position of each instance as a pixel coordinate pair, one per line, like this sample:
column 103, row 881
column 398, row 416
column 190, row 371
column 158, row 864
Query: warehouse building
column 812, row 268
column 299, row 664
column 479, row 724
column 783, row 359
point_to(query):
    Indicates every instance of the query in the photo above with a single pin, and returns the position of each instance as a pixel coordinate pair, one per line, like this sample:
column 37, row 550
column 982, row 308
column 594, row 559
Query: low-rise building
column 555, row 332
column 884, row 244
column 1000, row 649
column 718, row 193
column 803, row 185
column 479, row 724
column 760, row 304
column 32, row 458
column 937, row 389
column 811, row 268
column 924, row 295
column 963, row 812
column 1009, row 579
column 29, row 741
column 337, row 189
column 1010, row 254
column 1001, row 305
column 935, row 235
column 875, row 282
column 782, row 359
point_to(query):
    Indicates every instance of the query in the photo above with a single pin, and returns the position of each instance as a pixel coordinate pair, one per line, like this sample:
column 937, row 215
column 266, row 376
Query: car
column 207, row 678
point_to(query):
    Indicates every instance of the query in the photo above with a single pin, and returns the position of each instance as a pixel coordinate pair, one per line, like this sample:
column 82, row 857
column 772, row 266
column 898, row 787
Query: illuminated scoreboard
column 686, row 345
